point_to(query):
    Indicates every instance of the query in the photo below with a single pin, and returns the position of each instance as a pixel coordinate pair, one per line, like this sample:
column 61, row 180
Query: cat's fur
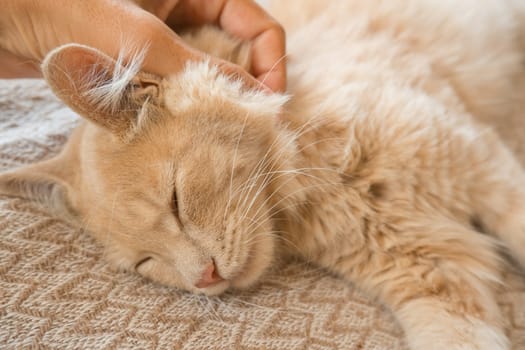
column 374, row 169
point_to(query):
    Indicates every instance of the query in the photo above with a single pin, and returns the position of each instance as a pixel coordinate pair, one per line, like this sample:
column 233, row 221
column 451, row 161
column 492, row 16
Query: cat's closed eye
column 142, row 262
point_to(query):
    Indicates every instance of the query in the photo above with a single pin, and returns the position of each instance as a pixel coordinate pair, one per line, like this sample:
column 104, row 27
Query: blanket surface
column 56, row 290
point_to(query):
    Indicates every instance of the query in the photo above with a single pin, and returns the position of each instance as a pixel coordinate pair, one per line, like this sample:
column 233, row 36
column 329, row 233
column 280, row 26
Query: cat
column 373, row 167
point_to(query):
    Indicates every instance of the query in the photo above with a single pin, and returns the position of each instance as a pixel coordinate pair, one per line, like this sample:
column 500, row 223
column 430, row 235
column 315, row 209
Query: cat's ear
column 48, row 183
column 110, row 93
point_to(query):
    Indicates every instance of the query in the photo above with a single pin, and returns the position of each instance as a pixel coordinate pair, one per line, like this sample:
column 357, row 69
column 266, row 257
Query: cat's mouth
column 215, row 289
column 240, row 280
column 249, row 273
column 257, row 259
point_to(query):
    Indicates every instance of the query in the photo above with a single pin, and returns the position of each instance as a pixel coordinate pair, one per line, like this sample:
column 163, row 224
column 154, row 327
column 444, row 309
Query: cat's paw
column 460, row 336
column 441, row 330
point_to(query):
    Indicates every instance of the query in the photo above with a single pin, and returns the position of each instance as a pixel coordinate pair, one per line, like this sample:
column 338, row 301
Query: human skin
column 29, row 29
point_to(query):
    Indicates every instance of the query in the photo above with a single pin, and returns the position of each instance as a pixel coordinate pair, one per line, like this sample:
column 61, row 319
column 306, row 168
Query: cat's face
column 175, row 176
column 190, row 190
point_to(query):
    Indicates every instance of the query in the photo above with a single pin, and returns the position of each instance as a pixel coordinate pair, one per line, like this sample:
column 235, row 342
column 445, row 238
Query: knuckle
column 279, row 29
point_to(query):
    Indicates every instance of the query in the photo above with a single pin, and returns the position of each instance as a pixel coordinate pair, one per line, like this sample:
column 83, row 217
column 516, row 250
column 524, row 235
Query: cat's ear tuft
column 113, row 94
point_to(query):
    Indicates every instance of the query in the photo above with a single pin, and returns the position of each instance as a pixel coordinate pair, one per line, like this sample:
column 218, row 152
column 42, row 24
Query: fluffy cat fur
column 374, row 169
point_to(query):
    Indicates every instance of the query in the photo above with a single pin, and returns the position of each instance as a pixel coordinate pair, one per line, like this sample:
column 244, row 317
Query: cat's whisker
column 276, row 172
column 274, row 162
column 233, row 166
column 211, row 305
column 284, row 184
column 254, row 192
column 265, row 181
column 258, row 237
column 254, row 196
column 203, row 306
column 296, row 135
column 272, row 68
column 258, row 168
column 281, row 173
column 301, row 171
column 209, row 308
column 303, row 147
column 262, row 186
column 270, row 209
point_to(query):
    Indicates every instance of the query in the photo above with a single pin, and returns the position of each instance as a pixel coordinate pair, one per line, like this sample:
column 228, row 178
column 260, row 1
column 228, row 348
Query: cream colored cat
column 374, row 169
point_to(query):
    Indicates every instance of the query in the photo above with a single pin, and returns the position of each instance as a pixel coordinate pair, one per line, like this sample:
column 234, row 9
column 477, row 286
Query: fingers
column 248, row 21
column 269, row 60
column 237, row 72
column 160, row 8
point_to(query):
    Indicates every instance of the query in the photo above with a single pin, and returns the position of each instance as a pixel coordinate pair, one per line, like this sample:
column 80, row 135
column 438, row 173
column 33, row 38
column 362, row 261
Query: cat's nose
column 209, row 276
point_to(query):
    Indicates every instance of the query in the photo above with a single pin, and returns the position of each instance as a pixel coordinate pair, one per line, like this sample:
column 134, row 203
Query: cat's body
column 375, row 169
column 390, row 116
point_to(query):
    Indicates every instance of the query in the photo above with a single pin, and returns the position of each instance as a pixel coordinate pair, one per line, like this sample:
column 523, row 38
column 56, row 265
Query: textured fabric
column 56, row 290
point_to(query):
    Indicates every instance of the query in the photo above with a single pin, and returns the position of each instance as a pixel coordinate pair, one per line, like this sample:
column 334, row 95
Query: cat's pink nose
column 209, row 277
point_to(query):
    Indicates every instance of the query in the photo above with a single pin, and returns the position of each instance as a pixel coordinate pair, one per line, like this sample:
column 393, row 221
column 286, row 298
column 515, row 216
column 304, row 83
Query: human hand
column 243, row 19
column 32, row 28
column 29, row 29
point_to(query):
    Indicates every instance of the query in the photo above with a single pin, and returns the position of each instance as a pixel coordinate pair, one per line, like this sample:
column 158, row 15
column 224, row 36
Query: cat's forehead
column 207, row 122
column 172, row 148
column 202, row 87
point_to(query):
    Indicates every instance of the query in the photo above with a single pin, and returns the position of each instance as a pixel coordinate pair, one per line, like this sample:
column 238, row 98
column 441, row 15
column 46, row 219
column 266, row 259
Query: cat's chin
column 215, row 289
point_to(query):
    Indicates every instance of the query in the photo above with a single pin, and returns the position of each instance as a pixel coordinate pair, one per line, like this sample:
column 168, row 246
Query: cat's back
column 466, row 51
column 388, row 87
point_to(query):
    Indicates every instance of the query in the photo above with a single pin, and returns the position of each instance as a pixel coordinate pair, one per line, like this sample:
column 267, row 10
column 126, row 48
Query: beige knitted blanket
column 56, row 290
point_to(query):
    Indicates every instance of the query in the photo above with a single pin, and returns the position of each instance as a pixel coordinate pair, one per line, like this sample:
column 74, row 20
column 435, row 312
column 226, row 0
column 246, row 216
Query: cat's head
column 178, row 177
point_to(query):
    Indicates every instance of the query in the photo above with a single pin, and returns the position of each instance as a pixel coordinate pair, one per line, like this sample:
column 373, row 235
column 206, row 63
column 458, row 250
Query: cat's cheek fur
column 259, row 258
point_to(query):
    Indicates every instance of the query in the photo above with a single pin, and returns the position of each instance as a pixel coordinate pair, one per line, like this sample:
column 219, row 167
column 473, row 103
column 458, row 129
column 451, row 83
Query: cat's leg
column 438, row 278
